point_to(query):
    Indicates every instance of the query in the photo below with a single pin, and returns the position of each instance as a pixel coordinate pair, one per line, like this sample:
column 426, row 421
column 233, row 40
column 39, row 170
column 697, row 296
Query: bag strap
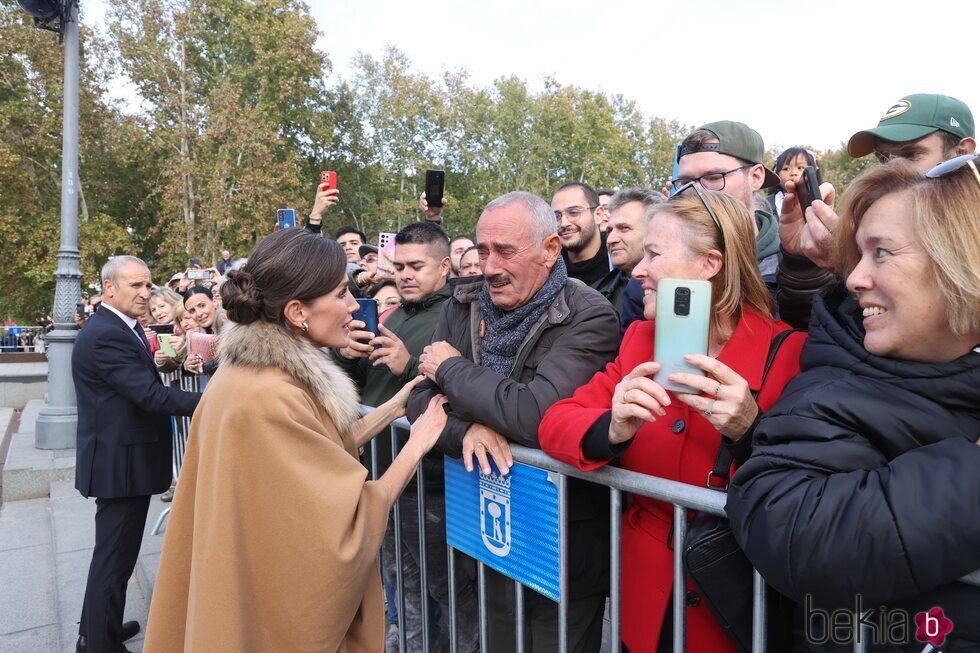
column 718, row 476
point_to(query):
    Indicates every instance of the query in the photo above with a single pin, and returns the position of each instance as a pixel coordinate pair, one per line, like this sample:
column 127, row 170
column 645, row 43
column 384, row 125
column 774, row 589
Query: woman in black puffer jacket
column 864, row 480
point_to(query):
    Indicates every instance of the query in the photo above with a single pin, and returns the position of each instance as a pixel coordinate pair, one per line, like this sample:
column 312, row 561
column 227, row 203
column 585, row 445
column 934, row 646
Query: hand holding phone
column 367, row 313
column 808, row 188
column 435, row 186
column 328, row 180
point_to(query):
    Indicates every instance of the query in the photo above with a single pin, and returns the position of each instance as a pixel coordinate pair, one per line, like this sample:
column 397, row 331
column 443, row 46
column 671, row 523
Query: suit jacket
column 124, row 444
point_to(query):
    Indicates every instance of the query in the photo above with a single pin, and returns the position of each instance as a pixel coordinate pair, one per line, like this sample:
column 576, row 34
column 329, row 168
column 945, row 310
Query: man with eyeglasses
column 583, row 245
column 605, row 196
column 724, row 156
column 382, row 364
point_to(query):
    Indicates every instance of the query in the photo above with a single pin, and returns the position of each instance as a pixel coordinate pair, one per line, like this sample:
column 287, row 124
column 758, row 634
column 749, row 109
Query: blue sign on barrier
column 508, row 522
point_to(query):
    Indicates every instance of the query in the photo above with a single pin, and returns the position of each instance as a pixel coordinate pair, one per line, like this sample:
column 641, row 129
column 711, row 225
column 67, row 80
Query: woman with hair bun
column 275, row 530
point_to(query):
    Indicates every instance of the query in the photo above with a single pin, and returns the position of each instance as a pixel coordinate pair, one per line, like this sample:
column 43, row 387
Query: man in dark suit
column 124, row 444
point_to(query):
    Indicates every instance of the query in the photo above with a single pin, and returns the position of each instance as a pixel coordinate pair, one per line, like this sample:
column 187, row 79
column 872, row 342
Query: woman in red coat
column 622, row 413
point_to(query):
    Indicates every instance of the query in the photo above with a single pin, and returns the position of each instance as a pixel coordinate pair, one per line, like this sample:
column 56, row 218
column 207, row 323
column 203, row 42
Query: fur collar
column 261, row 344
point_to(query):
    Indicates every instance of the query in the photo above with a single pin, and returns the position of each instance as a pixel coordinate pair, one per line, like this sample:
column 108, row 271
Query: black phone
column 80, row 309
column 435, row 185
column 163, row 328
column 367, row 313
column 808, row 188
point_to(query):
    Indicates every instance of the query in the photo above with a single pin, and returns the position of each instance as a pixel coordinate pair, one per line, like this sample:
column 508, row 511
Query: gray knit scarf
column 505, row 331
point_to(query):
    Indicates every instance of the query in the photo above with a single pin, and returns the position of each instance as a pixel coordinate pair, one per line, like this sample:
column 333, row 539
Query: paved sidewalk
column 45, row 549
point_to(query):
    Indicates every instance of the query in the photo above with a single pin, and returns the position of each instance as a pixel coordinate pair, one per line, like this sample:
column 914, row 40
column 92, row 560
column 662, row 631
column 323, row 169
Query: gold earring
column 306, row 327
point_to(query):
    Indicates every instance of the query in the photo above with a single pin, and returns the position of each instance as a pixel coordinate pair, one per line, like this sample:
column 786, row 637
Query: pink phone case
column 202, row 344
column 386, row 252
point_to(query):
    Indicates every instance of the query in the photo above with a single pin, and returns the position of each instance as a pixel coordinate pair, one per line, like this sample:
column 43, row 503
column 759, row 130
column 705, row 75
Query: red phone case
column 328, row 177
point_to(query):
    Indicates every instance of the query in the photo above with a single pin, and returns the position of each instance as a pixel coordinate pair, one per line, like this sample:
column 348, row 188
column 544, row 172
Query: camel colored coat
column 272, row 542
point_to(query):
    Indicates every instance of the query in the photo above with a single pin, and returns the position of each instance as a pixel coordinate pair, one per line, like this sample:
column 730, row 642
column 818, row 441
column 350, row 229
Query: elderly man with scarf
column 508, row 345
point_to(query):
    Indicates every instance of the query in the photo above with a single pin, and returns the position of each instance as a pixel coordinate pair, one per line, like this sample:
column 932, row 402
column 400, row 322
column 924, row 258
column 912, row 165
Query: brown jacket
column 272, row 541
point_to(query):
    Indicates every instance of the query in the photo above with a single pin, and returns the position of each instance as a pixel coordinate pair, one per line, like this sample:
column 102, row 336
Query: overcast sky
column 798, row 72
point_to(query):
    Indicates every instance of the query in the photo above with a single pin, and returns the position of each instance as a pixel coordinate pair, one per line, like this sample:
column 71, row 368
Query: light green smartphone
column 682, row 323
column 165, row 346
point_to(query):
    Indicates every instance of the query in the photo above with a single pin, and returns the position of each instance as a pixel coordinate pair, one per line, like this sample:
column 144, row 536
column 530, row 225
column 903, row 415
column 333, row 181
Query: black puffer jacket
column 865, row 479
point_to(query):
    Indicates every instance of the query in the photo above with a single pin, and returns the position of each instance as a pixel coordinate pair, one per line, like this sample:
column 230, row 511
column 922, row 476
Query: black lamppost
column 56, row 424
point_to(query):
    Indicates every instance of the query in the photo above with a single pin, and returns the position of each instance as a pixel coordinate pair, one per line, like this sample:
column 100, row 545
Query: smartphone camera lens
column 682, row 301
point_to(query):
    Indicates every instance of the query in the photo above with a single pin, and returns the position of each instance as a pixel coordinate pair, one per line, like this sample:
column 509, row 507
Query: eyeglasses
column 714, row 218
column 954, row 164
column 573, row 212
column 710, row 181
column 883, row 157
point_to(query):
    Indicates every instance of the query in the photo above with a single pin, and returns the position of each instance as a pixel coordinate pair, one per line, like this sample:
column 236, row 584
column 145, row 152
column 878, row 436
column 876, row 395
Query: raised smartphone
column 199, row 275
column 368, row 314
column 165, row 346
column 328, row 177
column 808, row 188
column 386, row 253
column 435, row 186
column 286, row 218
column 682, row 323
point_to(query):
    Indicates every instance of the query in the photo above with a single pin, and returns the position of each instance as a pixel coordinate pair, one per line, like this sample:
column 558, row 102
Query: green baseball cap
column 738, row 140
column 913, row 117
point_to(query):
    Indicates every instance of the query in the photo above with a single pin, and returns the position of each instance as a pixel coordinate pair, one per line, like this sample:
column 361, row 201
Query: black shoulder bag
column 721, row 572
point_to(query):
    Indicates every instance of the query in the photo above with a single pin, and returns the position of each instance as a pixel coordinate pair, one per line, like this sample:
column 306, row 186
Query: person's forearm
column 401, row 470
column 371, row 424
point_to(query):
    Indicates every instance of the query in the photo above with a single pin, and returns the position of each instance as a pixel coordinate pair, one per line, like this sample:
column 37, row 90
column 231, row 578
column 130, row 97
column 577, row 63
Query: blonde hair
column 739, row 281
column 946, row 220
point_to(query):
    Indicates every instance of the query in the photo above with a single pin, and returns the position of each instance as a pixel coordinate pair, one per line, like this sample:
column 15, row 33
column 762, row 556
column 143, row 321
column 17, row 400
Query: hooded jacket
column 865, row 479
column 274, row 534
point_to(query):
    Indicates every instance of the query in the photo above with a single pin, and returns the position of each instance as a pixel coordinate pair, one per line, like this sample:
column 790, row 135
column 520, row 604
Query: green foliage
column 235, row 118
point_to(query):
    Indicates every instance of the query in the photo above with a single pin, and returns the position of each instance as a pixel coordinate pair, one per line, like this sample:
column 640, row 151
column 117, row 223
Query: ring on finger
column 710, row 407
column 717, row 390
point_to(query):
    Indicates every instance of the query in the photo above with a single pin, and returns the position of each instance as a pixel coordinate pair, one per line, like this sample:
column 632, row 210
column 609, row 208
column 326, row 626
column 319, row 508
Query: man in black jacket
column 381, row 367
column 124, row 444
column 507, row 346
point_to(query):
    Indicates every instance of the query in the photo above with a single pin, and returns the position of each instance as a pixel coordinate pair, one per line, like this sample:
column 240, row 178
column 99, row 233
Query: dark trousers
column 540, row 620
column 119, row 525
column 437, row 572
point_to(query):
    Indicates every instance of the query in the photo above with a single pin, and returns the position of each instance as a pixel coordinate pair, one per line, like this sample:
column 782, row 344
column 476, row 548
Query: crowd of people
column 837, row 402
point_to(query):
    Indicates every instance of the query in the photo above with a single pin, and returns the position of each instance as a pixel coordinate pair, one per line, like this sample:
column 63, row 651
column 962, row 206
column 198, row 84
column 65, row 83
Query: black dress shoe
column 129, row 630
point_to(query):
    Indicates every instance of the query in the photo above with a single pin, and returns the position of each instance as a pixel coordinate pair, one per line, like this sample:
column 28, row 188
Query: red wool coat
column 686, row 455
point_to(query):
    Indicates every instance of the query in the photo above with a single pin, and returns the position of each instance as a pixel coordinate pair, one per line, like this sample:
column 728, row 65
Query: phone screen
column 286, row 218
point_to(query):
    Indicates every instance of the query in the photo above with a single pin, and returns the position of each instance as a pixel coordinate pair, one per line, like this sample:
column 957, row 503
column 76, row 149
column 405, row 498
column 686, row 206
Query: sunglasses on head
column 704, row 201
column 955, row 164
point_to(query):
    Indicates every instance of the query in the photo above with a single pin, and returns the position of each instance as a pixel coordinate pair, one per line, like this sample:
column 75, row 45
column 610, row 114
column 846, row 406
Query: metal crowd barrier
column 681, row 495
column 181, row 425
column 20, row 339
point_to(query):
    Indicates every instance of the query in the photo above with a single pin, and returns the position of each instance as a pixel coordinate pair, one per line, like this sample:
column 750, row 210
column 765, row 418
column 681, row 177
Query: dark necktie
column 142, row 336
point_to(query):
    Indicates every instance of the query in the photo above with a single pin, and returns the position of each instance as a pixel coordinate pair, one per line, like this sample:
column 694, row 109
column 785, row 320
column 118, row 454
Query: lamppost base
column 56, row 428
